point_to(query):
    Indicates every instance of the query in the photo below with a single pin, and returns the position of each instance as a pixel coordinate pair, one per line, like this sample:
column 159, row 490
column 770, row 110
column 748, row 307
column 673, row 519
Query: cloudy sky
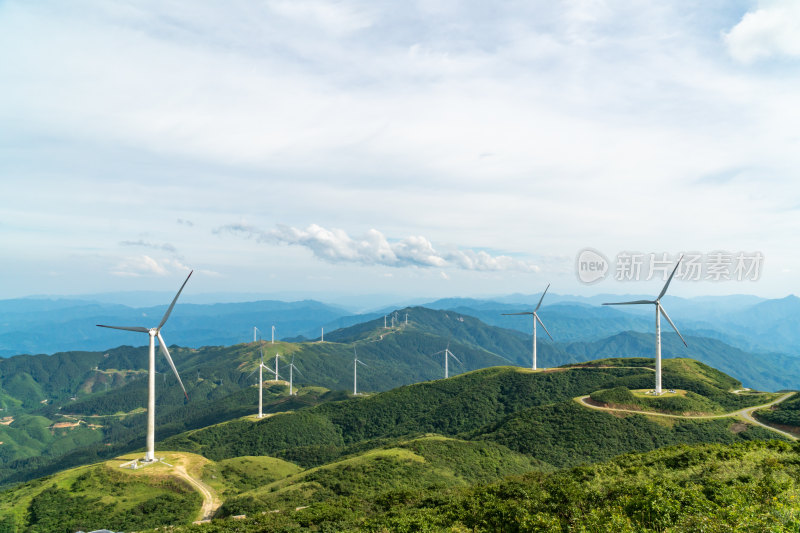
column 422, row 148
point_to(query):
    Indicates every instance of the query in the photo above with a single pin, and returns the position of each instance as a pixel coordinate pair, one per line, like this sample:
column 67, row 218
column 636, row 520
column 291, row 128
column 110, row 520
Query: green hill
column 751, row 486
column 424, row 463
column 101, row 496
column 380, row 456
column 531, row 412
column 785, row 415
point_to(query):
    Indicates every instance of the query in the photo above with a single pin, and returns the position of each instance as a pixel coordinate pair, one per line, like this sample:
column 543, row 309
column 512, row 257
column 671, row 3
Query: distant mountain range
column 43, row 325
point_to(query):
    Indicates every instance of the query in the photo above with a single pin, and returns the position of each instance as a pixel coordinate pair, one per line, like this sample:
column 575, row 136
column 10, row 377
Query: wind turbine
column 273, row 334
column 659, row 311
column 255, row 330
column 291, row 375
column 536, row 319
column 277, row 355
column 322, row 336
column 150, row 455
column 356, row 362
column 261, row 367
column 447, row 353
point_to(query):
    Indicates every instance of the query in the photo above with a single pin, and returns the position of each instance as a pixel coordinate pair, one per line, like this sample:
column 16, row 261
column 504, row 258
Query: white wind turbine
column 261, row 367
column 356, row 362
column 154, row 333
column 447, row 353
column 292, row 368
column 255, row 331
column 273, row 334
column 536, row 319
column 277, row 355
column 659, row 311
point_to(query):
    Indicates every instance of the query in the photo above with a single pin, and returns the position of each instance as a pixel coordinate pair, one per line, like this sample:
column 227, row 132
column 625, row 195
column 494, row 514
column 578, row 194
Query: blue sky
column 423, row 148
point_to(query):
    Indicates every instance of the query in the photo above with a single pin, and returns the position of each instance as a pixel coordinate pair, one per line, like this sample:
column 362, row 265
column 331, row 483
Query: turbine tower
column 322, row 336
column 447, row 353
column 261, row 367
column 356, row 362
column 273, row 334
column 255, row 331
column 154, row 333
column 292, row 368
column 536, row 319
column 659, row 311
column 277, row 355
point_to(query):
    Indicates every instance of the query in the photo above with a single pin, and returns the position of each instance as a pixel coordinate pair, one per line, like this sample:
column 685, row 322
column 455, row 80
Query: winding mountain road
column 746, row 413
column 211, row 501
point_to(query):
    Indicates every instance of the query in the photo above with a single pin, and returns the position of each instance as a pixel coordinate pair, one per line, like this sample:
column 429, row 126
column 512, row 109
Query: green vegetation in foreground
column 428, row 462
column 785, row 414
column 752, row 486
column 99, row 496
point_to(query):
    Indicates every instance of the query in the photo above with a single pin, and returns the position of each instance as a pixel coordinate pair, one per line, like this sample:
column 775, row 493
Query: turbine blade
column 456, row 358
column 253, row 372
column 635, row 302
column 139, row 329
column 539, row 320
column 542, row 298
column 666, row 285
column 360, row 363
column 297, row 370
column 524, row 313
column 673, row 325
column 268, row 369
column 169, row 310
column 169, row 360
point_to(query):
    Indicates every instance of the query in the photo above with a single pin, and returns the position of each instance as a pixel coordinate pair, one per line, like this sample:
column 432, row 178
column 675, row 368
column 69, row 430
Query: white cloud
column 166, row 247
column 373, row 248
column 139, row 266
column 146, row 266
column 772, row 29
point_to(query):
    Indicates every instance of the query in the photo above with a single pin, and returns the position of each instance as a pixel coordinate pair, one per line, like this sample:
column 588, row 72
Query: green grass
column 424, row 463
column 679, row 403
column 753, row 486
column 786, row 413
column 96, row 496
column 239, row 474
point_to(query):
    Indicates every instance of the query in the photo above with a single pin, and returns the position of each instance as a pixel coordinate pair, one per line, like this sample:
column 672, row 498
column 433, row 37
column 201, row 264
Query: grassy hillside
column 532, row 412
column 101, row 496
column 239, row 474
column 752, row 486
column 424, row 463
column 785, row 414
column 448, row 407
